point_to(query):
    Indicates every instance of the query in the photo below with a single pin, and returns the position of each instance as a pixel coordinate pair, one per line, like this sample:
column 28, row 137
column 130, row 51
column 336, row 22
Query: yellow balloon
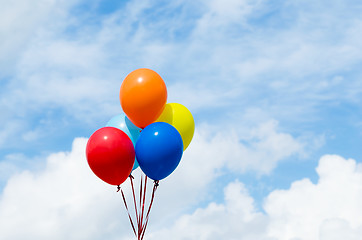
column 181, row 118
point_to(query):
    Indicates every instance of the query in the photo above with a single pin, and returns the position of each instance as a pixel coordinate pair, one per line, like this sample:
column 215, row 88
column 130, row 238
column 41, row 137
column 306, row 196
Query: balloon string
column 140, row 207
column 149, row 209
column 142, row 217
column 125, row 204
column 134, row 198
column 143, row 207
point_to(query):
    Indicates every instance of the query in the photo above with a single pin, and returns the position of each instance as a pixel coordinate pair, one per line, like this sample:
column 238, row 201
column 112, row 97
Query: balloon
column 181, row 118
column 120, row 121
column 143, row 96
column 110, row 154
column 159, row 150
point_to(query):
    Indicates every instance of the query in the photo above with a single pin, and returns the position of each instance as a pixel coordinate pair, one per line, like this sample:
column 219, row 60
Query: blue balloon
column 121, row 121
column 159, row 150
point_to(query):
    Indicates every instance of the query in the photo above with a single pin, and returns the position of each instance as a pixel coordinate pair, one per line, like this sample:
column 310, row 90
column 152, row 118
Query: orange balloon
column 143, row 96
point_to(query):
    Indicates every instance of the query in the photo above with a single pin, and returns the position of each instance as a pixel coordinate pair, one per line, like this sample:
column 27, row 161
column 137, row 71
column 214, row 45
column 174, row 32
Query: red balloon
column 111, row 155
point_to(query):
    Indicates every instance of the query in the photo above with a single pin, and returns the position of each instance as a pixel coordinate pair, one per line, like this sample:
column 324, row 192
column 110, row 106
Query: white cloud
column 237, row 218
column 300, row 211
column 63, row 201
column 335, row 229
column 338, row 187
column 64, row 196
column 329, row 209
column 257, row 149
column 215, row 153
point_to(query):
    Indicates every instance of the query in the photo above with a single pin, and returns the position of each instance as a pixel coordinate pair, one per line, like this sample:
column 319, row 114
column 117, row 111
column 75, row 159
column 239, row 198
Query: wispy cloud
column 244, row 54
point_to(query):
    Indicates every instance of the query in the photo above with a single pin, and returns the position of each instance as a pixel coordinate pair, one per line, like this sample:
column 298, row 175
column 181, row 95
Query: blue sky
column 274, row 87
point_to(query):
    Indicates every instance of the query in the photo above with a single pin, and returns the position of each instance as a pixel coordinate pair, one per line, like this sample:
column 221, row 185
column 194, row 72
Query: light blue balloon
column 121, row 121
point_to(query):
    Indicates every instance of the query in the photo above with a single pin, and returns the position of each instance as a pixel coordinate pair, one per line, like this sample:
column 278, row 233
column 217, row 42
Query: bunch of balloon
column 151, row 134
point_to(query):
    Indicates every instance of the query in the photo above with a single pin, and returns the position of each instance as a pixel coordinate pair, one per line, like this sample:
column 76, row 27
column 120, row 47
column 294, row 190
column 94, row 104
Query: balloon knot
column 118, row 188
column 130, row 176
column 156, row 183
